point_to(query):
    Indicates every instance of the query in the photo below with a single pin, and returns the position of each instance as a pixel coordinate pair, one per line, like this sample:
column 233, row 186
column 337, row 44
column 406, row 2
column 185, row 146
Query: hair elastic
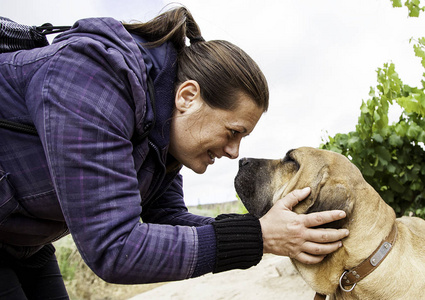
column 196, row 39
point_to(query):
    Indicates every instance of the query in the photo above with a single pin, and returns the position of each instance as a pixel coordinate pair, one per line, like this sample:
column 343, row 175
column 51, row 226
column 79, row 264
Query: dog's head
column 331, row 176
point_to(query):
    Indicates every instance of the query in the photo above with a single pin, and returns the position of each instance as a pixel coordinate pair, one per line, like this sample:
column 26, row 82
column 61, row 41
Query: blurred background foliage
column 391, row 157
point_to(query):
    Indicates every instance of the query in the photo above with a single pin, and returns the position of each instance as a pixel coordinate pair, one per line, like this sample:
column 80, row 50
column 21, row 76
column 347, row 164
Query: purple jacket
column 87, row 96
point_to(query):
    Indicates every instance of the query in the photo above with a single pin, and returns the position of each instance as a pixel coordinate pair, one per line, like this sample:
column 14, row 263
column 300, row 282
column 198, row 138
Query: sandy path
column 273, row 278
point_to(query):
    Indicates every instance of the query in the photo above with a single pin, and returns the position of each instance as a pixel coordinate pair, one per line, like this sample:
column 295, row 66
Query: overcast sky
column 320, row 58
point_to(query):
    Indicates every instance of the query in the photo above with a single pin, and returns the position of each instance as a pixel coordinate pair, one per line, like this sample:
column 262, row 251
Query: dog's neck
column 369, row 223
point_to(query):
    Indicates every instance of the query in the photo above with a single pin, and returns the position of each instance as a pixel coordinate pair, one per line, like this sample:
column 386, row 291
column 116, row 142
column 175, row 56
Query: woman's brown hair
column 221, row 69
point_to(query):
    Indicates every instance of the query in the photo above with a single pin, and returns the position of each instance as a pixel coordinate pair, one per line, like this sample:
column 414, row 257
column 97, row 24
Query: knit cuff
column 206, row 250
column 239, row 242
column 226, row 216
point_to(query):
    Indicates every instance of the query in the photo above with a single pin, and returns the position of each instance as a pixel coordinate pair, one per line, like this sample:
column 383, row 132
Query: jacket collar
column 161, row 66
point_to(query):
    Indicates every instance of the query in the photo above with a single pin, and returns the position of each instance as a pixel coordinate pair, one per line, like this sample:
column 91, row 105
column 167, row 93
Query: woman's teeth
column 211, row 156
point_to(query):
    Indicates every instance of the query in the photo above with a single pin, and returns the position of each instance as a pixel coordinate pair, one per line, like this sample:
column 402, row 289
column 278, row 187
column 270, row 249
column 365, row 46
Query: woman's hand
column 289, row 234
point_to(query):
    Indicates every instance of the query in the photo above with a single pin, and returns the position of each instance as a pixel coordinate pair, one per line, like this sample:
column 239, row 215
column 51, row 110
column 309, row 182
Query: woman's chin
column 198, row 168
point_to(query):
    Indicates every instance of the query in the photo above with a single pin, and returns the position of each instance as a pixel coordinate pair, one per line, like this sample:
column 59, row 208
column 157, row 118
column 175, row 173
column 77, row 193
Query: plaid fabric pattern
column 86, row 95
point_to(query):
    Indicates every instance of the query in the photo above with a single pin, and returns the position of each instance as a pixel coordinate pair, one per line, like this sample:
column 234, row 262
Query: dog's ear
column 316, row 185
column 327, row 194
column 333, row 195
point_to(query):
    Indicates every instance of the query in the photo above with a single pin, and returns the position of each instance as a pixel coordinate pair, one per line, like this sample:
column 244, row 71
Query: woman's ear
column 187, row 96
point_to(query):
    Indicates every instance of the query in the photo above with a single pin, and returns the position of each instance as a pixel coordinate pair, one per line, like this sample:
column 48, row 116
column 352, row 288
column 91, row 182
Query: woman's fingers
column 294, row 197
column 312, row 253
column 320, row 249
column 326, row 235
column 321, row 243
column 323, row 217
column 293, row 235
column 309, row 259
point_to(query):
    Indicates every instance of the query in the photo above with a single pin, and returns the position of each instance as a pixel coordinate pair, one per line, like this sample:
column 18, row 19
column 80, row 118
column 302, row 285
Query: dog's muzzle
column 252, row 183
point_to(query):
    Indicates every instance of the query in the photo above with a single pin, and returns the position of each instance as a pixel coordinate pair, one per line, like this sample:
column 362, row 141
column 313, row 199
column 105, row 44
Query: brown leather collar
column 319, row 296
column 350, row 278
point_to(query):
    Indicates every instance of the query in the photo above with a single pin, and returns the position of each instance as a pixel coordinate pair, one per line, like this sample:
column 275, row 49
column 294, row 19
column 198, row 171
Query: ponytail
column 222, row 69
column 174, row 26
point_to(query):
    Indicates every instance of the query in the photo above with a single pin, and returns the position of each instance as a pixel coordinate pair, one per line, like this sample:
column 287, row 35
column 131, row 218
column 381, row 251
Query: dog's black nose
column 243, row 162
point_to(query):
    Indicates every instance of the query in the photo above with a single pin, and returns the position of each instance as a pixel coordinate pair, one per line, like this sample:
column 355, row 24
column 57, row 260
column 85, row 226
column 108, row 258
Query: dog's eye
column 289, row 159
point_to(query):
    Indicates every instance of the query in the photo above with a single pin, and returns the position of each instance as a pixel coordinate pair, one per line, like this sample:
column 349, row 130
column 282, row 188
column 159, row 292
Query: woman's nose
column 232, row 150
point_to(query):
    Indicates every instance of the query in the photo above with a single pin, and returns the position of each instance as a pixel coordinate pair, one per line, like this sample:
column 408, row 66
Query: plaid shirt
column 86, row 95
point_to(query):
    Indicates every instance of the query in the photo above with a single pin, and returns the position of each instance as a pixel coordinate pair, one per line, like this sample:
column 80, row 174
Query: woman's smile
column 212, row 157
column 200, row 134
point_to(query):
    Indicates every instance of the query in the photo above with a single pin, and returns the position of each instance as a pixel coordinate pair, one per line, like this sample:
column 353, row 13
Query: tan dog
column 337, row 184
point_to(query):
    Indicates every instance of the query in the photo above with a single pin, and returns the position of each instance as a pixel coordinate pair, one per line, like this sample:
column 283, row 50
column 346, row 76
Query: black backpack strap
column 19, row 127
column 15, row 36
column 48, row 28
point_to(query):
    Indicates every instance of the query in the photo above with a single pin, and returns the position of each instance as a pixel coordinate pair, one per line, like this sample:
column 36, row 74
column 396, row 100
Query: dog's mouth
column 252, row 185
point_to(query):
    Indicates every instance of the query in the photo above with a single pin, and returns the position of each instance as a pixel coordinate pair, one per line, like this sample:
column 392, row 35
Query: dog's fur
column 337, row 184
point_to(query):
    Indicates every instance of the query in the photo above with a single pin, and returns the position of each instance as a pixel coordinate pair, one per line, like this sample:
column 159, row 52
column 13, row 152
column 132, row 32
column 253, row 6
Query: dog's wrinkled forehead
column 337, row 164
column 306, row 154
column 317, row 159
column 309, row 162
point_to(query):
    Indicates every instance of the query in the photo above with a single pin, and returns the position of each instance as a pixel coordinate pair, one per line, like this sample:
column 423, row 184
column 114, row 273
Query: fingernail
column 306, row 189
column 340, row 244
column 342, row 214
column 347, row 232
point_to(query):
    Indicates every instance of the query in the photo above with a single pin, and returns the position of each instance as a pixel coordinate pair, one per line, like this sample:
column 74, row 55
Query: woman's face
column 200, row 134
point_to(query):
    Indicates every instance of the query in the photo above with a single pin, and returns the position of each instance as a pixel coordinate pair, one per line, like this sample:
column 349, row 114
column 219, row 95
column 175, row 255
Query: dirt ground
column 273, row 278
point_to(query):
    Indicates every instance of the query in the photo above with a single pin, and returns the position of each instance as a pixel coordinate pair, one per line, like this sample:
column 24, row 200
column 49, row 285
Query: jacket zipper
column 157, row 178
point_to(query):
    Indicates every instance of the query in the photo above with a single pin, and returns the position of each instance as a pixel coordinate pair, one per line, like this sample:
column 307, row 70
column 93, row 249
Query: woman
column 118, row 110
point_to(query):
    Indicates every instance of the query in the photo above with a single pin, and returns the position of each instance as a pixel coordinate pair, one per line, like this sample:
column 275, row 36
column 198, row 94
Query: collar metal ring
column 342, row 287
